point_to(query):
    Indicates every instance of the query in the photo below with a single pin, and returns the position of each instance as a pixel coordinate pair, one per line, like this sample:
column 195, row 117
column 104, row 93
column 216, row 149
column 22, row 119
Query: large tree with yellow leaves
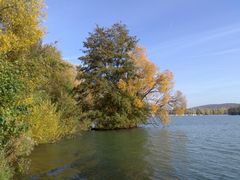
column 119, row 87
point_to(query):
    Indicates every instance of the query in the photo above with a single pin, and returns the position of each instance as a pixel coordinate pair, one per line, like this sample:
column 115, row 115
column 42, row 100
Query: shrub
column 44, row 122
column 9, row 84
column 16, row 152
column 5, row 171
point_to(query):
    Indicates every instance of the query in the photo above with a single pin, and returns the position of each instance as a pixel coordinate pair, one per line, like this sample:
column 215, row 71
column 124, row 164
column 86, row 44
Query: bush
column 16, row 152
column 5, row 171
column 69, row 114
column 9, row 129
column 44, row 122
column 10, row 86
column 14, row 145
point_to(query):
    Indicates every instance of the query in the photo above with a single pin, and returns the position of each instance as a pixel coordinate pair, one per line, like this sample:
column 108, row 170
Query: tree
column 120, row 87
column 19, row 24
column 180, row 103
column 155, row 87
column 107, row 63
column 234, row 111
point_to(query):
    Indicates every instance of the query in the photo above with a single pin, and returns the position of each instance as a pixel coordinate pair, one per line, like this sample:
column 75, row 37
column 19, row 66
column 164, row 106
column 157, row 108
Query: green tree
column 50, row 79
column 107, row 61
column 234, row 111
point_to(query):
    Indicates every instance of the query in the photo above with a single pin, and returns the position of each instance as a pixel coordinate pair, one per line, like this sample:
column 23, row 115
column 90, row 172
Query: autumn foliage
column 43, row 98
column 120, row 87
column 36, row 104
column 154, row 87
column 19, row 27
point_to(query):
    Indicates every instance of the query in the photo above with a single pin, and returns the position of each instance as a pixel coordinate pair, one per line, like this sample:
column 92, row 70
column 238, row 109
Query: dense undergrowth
column 33, row 109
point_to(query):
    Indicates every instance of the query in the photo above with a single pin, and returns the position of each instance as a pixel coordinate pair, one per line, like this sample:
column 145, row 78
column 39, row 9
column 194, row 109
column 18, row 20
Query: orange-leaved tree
column 153, row 87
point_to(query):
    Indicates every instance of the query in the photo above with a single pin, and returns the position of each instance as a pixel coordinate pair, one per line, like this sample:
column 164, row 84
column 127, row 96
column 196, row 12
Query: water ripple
column 191, row 148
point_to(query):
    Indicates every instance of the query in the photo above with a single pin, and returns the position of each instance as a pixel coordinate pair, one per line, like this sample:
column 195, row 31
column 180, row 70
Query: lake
column 200, row 147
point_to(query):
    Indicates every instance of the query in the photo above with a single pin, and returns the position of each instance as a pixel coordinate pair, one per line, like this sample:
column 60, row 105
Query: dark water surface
column 206, row 147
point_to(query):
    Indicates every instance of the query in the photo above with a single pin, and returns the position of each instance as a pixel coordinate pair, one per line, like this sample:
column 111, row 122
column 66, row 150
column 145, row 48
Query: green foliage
column 35, row 93
column 234, row 111
column 13, row 146
column 16, row 152
column 6, row 172
column 10, row 89
column 10, row 85
column 36, row 104
column 50, row 80
column 107, row 60
column 207, row 111
column 40, row 99
column 119, row 87
column 54, row 78
column 44, row 122
column 69, row 115
column 10, row 129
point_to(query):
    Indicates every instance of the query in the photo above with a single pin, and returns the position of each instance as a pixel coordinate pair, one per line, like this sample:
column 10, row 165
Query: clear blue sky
column 199, row 40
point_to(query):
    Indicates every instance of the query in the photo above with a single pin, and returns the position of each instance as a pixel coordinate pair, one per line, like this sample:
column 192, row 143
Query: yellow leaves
column 44, row 123
column 180, row 103
column 180, row 111
column 26, row 100
column 90, row 99
column 138, row 103
column 122, row 85
column 154, row 109
column 131, row 88
column 165, row 99
column 150, row 79
column 165, row 81
column 161, row 113
column 20, row 24
column 156, row 87
column 146, row 69
column 153, row 85
column 164, row 117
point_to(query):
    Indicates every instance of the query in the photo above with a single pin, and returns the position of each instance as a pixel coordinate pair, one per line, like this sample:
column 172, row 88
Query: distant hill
column 217, row 106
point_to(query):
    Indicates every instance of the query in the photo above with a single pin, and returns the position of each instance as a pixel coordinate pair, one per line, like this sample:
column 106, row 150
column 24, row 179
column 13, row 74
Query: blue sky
column 198, row 40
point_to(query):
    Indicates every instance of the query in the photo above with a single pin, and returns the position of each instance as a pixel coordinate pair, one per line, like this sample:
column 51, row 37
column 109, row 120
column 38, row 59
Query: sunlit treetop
column 20, row 24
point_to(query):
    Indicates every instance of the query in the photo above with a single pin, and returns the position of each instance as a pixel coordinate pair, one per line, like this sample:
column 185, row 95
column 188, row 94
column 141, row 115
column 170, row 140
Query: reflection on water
column 117, row 154
column 192, row 147
column 168, row 153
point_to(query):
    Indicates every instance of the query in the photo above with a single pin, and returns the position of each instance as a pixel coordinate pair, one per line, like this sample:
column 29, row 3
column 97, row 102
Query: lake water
column 202, row 147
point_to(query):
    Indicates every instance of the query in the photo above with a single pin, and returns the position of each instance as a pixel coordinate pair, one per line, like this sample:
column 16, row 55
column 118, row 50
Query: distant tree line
column 207, row 111
column 215, row 111
column 234, row 111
